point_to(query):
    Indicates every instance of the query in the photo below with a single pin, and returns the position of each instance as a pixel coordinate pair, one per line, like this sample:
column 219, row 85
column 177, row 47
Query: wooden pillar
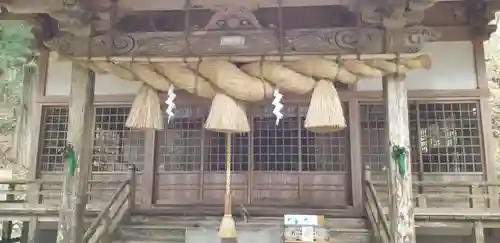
column 478, row 232
column 34, row 80
column 398, row 134
column 81, row 115
column 356, row 161
column 485, row 109
column 149, row 171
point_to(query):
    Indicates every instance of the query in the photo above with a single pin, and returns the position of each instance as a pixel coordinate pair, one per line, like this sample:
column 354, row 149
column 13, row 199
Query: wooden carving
column 394, row 13
column 257, row 42
column 232, row 17
column 479, row 14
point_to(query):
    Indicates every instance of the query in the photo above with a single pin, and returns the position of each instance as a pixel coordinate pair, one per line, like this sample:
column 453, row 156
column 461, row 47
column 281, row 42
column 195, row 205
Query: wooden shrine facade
column 284, row 165
column 442, row 117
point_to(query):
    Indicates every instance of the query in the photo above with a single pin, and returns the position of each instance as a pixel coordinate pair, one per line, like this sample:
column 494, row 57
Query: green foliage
column 15, row 51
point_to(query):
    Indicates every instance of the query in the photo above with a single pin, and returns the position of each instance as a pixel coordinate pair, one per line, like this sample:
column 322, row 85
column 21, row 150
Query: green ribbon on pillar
column 399, row 154
column 70, row 156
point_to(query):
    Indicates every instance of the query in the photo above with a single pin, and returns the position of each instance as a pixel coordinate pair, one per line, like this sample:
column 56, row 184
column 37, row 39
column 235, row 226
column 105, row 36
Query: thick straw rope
column 253, row 88
column 250, row 83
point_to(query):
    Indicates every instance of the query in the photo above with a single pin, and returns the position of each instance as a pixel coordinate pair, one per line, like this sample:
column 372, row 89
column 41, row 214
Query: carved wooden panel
column 256, row 42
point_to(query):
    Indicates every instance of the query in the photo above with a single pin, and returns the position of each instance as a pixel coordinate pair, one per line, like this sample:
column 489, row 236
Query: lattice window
column 53, row 138
column 179, row 145
column 373, row 141
column 116, row 146
column 215, row 149
column 444, row 137
column 185, row 144
column 450, row 138
column 275, row 148
column 290, row 147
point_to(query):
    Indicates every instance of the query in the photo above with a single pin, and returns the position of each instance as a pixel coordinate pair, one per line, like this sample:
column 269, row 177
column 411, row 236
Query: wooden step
column 153, row 229
column 145, row 241
column 213, row 222
column 147, row 234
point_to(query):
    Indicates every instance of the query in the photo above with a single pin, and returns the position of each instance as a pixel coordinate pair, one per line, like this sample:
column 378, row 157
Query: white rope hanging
column 170, row 103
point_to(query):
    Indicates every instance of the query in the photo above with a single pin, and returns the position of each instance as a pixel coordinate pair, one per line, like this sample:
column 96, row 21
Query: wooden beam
column 333, row 41
column 44, row 6
column 80, row 127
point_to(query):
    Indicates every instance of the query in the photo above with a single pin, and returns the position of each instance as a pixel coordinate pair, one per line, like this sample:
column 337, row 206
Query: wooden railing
column 26, row 197
column 42, row 194
column 477, row 194
column 118, row 209
column 15, row 193
column 375, row 211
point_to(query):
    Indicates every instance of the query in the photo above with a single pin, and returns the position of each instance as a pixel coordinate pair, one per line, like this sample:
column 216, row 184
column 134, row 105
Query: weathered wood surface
column 118, row 209
column 109, row 218
column 469, row 192
column 257, row 42
column 478, row 232
column 308, row 189
column 375, row 211
column 80, row 127
column 46, row 6
column 396, row 102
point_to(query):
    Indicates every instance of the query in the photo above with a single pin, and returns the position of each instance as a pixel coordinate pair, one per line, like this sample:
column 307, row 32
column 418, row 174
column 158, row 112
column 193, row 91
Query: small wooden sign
column 304, row 228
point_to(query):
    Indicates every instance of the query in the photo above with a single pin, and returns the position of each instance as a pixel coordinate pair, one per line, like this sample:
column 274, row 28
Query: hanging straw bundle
column 227, row 115
column 325, row 113
column 181, row 76
column 315, row 67
column 233, row 81
column 281, row 76
column 145, row 111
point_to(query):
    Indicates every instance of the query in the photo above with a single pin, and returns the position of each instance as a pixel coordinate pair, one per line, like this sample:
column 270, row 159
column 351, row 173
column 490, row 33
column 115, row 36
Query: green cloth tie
column 71, row 160
column 399, row 155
